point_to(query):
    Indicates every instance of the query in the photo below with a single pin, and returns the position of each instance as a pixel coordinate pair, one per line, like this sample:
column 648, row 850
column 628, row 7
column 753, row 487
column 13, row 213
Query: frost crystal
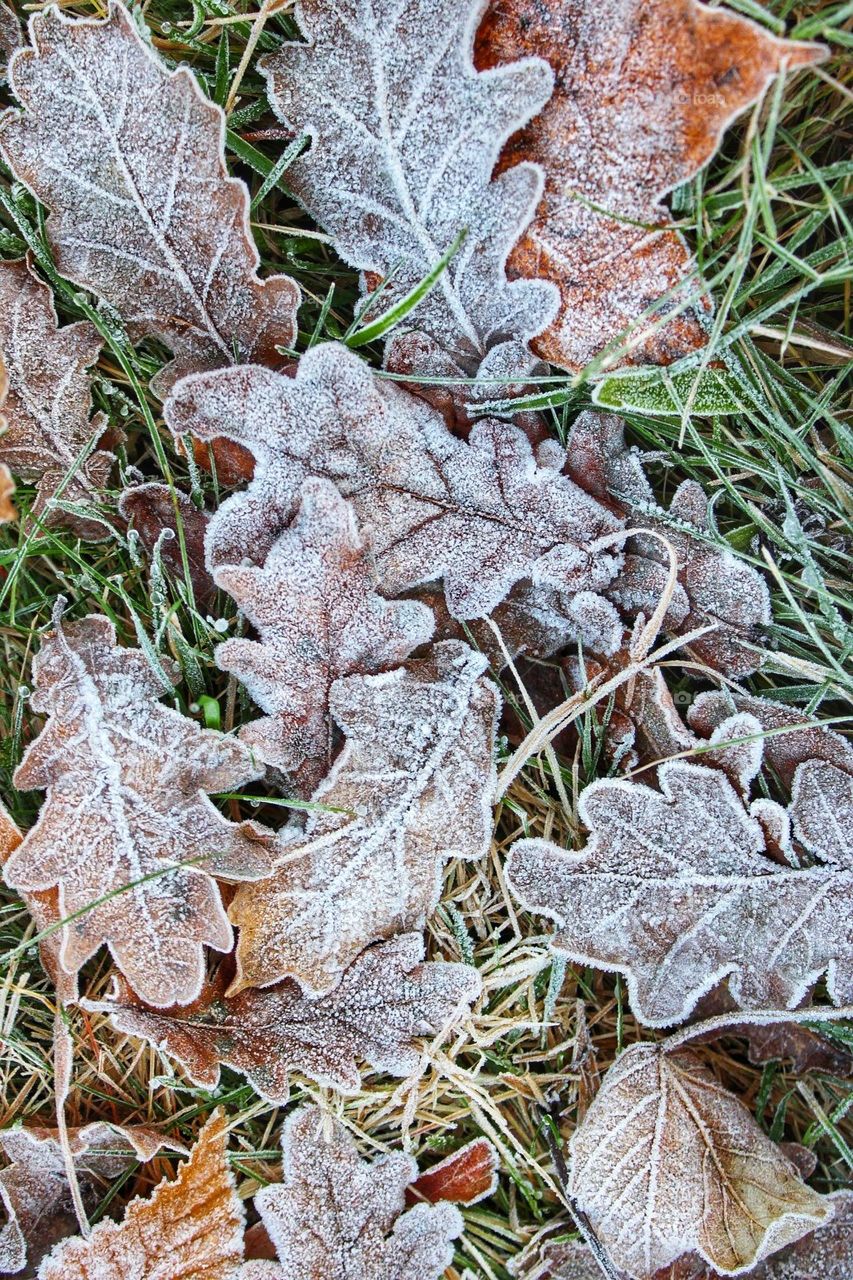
column 125, row 807
column 335, row 1216
column 412, row 788
column 674, row 889
column 386, row 999
column 405, row 135
column 667, row 1162
column 130, row 160
column 315, row 607
column 483, row 514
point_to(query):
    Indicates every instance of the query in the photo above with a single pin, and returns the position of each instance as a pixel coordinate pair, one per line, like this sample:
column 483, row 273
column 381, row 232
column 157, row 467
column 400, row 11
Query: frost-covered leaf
column 674, row 889
column 412, row 788
column 44, row 909
column 129, row 159
column 153, row 508
column 48, row 409
column 34, row 1188
column 822, row 811
column 11, row 35
column 189, row 1229
column 404, row 138
column 125, row 780
column 465, row 1177
column 386, row 999
column 643, row 92
column 7, row 488
column 825, row 1254
column 805, row 1048
column 666, row 1162
column 319, row 617
column 335, row 1215
column 711, row 392
column 483, row 514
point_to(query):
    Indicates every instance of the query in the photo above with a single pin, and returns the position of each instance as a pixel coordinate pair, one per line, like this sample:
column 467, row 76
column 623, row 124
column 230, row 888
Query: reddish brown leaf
column 48, row 407
column 189, row 1229
column 643, row 92
column 335, row 1216
column 129, row 158
column 35, row 1192
column 385, row 1001
column 125, row 806
column 315, row 606
column 468, row 1175
column 153, row 508
column 11, row 35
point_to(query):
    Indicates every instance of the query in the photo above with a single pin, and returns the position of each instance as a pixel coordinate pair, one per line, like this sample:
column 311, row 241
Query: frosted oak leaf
column 675, row 889
column 404, row 138
column 335, row 1215
column 125, row 813
column 666, row 1162
column 51, row 438
column 386, row 1000
column 319, row 617
column 34, row 1187
column 129, row 159
column 188, row 1229
column 411, row 788
column 482, row 514
column 644, row 90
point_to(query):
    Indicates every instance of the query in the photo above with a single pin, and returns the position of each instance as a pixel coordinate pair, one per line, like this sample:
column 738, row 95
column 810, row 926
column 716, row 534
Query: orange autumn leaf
column 468, row 1175
column 644, row 90
column 7, row 488
column 189, row 1229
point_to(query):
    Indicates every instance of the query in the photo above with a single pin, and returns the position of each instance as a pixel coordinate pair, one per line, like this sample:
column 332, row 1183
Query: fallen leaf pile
column 490, row 174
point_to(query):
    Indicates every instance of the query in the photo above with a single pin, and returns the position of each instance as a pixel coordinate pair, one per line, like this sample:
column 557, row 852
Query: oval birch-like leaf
column 644, row 90
column 189, row 1229
column 51, row 436
column 129, row 159
column 34, row 1187
column 666, row 1162
column 412, row 788
column 405, row 135
column 126, row 818
column 674, row 889
column 319, row 617
column 335, row 1215
column 386, row 1000
column 483, row 514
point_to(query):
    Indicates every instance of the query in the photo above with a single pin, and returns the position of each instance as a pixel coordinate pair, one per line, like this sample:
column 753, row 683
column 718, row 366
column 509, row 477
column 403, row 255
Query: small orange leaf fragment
column 468, row 1175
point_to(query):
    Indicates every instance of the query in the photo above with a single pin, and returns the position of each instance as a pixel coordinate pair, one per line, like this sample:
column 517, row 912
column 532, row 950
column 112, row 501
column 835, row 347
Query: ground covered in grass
column 769, row 226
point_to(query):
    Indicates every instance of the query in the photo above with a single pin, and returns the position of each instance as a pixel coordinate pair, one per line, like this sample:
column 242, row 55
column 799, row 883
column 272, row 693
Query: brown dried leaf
column 319, row 617
column 48, row 407
column 11, row 35
column 44, row 909
column 667, row 1162
column 125, row 780
column 334, row 1215
column 405, row 136
column 7, row 488
column 643, row 93
column 153, row 508
column 129, row 158
column 412, row 788
column 826, row 1254
column 386, row 999
column 189, row 1229
column 35, row 1191
column 465, row 1177
column 483, row 514
column 674, row 890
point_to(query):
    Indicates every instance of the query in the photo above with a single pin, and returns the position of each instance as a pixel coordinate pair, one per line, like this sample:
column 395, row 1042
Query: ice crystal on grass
column 674, row 889
column 386, row 999
column 412, row 788
column 483, row 514
column 667, row 1162
column 188, row 1229
column 405, row 135
column 319, row 617
column 126, row 818
column 335, row 1215
column 643, row 92
column 51, row 437
column 129, row 159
